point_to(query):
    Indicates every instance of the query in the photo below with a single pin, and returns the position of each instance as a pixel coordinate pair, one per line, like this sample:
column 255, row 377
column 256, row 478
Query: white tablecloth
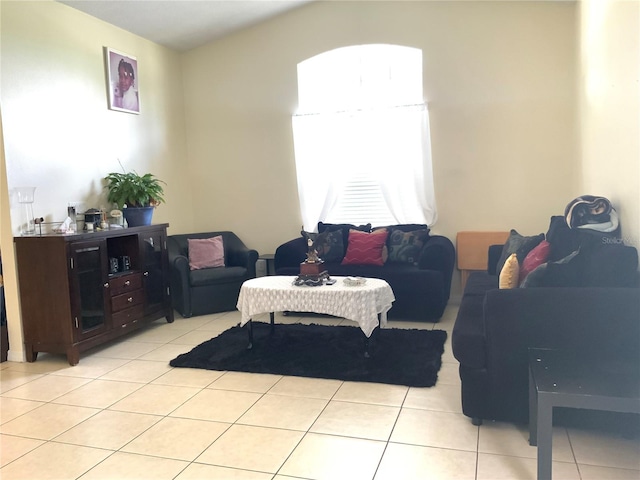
column 277, row 294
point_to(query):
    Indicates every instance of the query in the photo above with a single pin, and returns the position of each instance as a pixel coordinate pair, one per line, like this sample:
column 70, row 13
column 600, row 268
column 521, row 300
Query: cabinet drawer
column 126, row 283
column 127, row 300
column 127, row 316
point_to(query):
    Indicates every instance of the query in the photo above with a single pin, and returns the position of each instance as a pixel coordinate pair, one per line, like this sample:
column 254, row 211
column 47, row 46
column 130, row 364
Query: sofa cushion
column 561, row 238
column 210, row 276
column 405, row 227
column 510, row 272
column 329, row 245
column 534, row 259
column 365, row 248
column 206, row 252
column 612, row 265
column 406, row 246
column 518, row 244
column 479, row 282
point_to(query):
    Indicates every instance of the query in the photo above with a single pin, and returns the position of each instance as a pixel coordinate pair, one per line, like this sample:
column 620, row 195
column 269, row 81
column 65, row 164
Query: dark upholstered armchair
column 208, row 290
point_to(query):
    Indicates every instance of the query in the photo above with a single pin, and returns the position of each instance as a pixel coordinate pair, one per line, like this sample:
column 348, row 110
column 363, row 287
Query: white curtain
column 392, row 143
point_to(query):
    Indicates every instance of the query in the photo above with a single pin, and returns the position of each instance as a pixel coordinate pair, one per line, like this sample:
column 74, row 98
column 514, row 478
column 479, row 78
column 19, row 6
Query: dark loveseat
column 421, row 282
column 596, row 313
column 208, row 290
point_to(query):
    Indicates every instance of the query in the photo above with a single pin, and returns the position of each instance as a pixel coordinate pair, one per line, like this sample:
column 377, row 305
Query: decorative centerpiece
column 312, row 272
column 140, row 193
column 313, row 265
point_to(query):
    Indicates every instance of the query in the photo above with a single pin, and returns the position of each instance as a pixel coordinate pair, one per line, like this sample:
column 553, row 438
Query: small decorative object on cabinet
column 73, row 299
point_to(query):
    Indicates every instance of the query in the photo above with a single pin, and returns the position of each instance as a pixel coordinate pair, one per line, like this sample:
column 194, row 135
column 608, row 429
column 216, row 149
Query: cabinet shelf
column 123, row 274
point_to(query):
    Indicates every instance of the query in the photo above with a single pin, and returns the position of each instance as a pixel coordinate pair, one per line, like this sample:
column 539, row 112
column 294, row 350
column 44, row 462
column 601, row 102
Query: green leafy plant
column 134, row 190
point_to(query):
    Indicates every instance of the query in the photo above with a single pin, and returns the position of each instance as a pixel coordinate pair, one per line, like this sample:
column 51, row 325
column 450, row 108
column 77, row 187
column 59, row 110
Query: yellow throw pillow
column 510, row 272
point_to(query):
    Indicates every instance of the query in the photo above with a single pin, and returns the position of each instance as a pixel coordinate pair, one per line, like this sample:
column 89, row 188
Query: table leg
column 272, row 320
column 544, row 426
column 366, row 347
column 250, row 330
column 533, row 411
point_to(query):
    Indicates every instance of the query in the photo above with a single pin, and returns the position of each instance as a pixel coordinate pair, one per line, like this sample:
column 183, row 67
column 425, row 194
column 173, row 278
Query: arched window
column 361, row 138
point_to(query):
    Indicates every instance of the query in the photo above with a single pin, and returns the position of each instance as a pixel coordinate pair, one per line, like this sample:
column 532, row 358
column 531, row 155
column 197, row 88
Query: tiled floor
column 124, row 413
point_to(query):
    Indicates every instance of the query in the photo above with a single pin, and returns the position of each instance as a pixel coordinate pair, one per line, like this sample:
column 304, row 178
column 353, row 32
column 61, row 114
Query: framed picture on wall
column 122, row 81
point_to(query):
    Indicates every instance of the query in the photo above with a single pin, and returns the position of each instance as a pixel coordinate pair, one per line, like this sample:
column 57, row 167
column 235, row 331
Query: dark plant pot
column 138, row 216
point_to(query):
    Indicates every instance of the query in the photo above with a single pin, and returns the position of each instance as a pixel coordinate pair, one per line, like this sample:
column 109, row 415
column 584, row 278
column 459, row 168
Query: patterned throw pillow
column 509, row 273
column 365, row 248
column 406, row 246
column 206, row 252
column 329, row 245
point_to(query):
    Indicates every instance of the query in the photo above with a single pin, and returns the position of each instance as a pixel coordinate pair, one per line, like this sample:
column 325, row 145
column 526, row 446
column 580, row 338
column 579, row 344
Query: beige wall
column 499, row 78
column 610, row 107
column 59, row 135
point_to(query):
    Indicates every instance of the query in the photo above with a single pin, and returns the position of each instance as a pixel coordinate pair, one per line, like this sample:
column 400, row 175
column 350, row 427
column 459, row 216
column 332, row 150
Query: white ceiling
column 183, row 24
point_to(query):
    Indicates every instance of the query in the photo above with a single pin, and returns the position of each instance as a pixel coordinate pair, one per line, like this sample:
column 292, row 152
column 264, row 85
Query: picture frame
column 122, row 81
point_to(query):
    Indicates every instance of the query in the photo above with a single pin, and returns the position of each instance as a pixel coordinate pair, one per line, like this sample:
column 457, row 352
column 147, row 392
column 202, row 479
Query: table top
column 558, row 371
column 362, row 304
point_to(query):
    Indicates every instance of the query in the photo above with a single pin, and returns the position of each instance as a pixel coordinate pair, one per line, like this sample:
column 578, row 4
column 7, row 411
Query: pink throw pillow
column 206, row 252
column 534, row 259
column 365, row 248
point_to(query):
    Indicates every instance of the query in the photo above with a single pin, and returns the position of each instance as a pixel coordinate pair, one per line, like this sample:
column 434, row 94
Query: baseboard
column 13, row 356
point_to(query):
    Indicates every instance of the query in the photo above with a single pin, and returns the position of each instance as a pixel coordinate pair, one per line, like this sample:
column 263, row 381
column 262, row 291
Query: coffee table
column 366, row 304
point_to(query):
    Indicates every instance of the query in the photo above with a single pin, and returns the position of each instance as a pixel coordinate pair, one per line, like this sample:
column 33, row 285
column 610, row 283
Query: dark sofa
column 421, row 288
column 589, row 306
column 208, row 290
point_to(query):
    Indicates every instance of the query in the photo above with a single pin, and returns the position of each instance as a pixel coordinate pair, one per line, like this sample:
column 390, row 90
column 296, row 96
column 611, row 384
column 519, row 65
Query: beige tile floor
column 123, row 413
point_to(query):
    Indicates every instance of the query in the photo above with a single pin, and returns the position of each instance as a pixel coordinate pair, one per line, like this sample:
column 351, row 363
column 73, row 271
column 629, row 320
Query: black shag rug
column 397, row 356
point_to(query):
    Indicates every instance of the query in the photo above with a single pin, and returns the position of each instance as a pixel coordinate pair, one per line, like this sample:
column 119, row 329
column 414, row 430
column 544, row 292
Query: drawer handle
column 127, row 283
column 130, row 299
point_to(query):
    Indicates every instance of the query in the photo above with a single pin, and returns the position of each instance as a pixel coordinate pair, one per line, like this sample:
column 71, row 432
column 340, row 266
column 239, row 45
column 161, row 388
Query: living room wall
column 609, row 86
column 499, row 79
column 59, row 135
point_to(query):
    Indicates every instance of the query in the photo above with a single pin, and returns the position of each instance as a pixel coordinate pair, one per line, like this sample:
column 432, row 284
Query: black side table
column 269, row 262
column 563, row 379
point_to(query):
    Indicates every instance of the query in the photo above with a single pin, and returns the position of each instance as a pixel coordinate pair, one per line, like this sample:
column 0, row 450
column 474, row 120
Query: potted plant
column 140, row 194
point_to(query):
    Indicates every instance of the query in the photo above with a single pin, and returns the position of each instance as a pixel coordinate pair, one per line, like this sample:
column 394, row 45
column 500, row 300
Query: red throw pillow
column 365, row 248
column 534, row 259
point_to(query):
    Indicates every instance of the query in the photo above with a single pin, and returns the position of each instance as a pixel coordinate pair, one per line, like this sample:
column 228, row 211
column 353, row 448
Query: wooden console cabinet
column 72, row 297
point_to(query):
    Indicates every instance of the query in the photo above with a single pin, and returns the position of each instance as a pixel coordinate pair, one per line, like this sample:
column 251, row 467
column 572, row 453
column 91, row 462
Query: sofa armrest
column 179, row 282
column 439, row 254
column 179, row 265
column 290, row 254
column 586, row 321
column 237, row 254
column 244, row 257
column 494, row 255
